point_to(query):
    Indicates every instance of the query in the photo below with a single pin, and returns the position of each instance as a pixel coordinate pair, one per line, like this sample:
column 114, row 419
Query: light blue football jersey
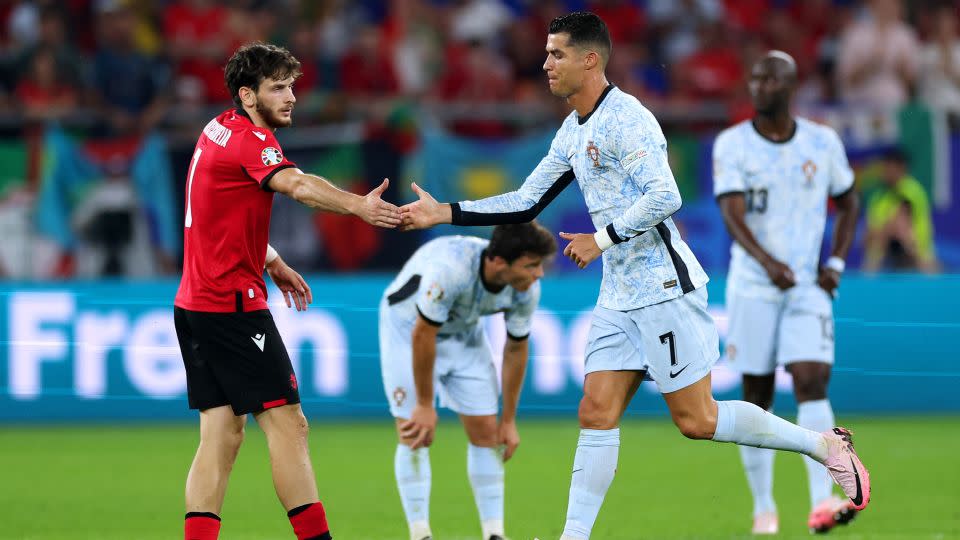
column 618, row 155
column 786, row 185
column 442, row 282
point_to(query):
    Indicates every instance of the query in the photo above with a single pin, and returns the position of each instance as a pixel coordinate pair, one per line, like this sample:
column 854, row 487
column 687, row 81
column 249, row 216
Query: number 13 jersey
column 786, row 185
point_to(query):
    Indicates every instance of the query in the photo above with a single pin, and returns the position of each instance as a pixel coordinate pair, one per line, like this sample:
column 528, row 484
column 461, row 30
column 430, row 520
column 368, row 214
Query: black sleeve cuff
column 265, row 183
column 844, row 194
column 727, row 194
column 516, row 338
column 430, row 321
column 455, row 214
column 612, row 232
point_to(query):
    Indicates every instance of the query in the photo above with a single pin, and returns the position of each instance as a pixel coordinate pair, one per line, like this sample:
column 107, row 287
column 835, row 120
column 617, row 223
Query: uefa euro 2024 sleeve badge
column 271, row 156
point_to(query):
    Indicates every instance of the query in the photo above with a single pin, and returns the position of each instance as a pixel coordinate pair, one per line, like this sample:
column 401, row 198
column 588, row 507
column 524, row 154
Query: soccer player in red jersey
column 235, row 360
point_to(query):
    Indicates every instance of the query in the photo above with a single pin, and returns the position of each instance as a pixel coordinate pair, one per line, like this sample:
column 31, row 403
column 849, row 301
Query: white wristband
column 603, row 240
column 836, row 264
column 271, row 255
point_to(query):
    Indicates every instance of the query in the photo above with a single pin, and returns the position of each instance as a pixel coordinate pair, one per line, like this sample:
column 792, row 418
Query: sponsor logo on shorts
column 399, row 396
column 259, row 339
column 677, row 374
column 670, row 284
column 293, row 381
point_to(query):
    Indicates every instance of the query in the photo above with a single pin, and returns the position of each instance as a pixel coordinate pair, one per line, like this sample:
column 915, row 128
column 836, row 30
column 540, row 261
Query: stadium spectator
column 413, row 33
column 899, row 224
column 44, row 93
column 128, row 88
column 198, row 38
column 366, row 70
column 714, row 70
column 939, row 80
column 675, row 25
column 478, row 20
column 878, row 57
column 54, row 38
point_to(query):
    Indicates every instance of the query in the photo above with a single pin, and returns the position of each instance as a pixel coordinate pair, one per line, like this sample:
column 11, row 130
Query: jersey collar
column 243, row 113
column 793, row 133
column 587, row 116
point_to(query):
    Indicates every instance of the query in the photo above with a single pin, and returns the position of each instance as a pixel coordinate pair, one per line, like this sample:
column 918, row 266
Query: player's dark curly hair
column 255, row 62
column 516, row 240
column 586, row 30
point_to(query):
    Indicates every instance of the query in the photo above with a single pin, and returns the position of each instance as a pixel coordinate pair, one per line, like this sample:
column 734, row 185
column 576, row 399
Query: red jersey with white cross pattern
column 227, row 219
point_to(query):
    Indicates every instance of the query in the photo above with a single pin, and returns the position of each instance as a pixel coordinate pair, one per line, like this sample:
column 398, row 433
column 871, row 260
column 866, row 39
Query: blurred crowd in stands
column 130, row 60
column 122, row 68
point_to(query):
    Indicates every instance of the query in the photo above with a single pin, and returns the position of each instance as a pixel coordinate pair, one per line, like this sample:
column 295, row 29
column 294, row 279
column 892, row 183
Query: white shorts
column 764, row 333
column 675, row 341
column 464, row 377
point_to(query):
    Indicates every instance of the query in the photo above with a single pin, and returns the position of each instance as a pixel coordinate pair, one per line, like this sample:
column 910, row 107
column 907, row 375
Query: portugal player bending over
column 432, row 342
column 235, row 361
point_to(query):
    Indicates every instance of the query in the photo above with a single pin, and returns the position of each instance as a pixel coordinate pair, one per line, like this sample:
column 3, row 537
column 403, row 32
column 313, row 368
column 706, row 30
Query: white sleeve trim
column 602, row 237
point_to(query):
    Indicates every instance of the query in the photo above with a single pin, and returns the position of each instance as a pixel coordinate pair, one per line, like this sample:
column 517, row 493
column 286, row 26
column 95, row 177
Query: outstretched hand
column 423, row 213
column 291, row 284
column 376, row 211
column 582, row 249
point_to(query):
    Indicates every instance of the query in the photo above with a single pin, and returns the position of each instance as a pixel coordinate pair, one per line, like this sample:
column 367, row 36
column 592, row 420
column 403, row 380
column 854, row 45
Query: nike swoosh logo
column 577, row 470
column 262, row 339
column 675, row 375
column 858, row 500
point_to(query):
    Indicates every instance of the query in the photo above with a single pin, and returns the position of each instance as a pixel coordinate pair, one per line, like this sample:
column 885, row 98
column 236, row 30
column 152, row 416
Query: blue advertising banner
column 108, row 351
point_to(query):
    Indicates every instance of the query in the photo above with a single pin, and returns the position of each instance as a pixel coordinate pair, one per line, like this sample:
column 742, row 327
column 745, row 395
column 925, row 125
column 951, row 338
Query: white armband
column 836, row 264
column 271, row 255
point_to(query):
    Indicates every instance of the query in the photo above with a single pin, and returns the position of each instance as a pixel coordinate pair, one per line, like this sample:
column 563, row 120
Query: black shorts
column 235, row 359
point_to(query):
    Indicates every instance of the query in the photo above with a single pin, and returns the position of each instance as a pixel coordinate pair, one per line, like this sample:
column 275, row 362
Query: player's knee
column 694, row 426
column 595, row 414
column 484, row 438
column 809, row 388
column 227, row 442
column 483, row 432
column 300, row 428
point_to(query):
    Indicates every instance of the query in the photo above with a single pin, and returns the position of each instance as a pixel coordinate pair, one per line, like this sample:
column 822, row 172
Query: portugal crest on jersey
column 809, row 169
column 593, row 153
column 271, row 156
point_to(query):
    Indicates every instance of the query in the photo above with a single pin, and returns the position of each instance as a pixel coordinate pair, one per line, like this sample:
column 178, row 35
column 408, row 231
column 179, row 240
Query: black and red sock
column 201, row 526
column 310, row 522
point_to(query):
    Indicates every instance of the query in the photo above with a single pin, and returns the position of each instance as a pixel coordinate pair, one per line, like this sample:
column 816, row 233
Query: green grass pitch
column 126, row 482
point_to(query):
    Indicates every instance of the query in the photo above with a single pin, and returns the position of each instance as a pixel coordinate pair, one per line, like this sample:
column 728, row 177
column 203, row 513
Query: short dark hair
column 516, row 240
column 585, row 29
column 255, row 62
